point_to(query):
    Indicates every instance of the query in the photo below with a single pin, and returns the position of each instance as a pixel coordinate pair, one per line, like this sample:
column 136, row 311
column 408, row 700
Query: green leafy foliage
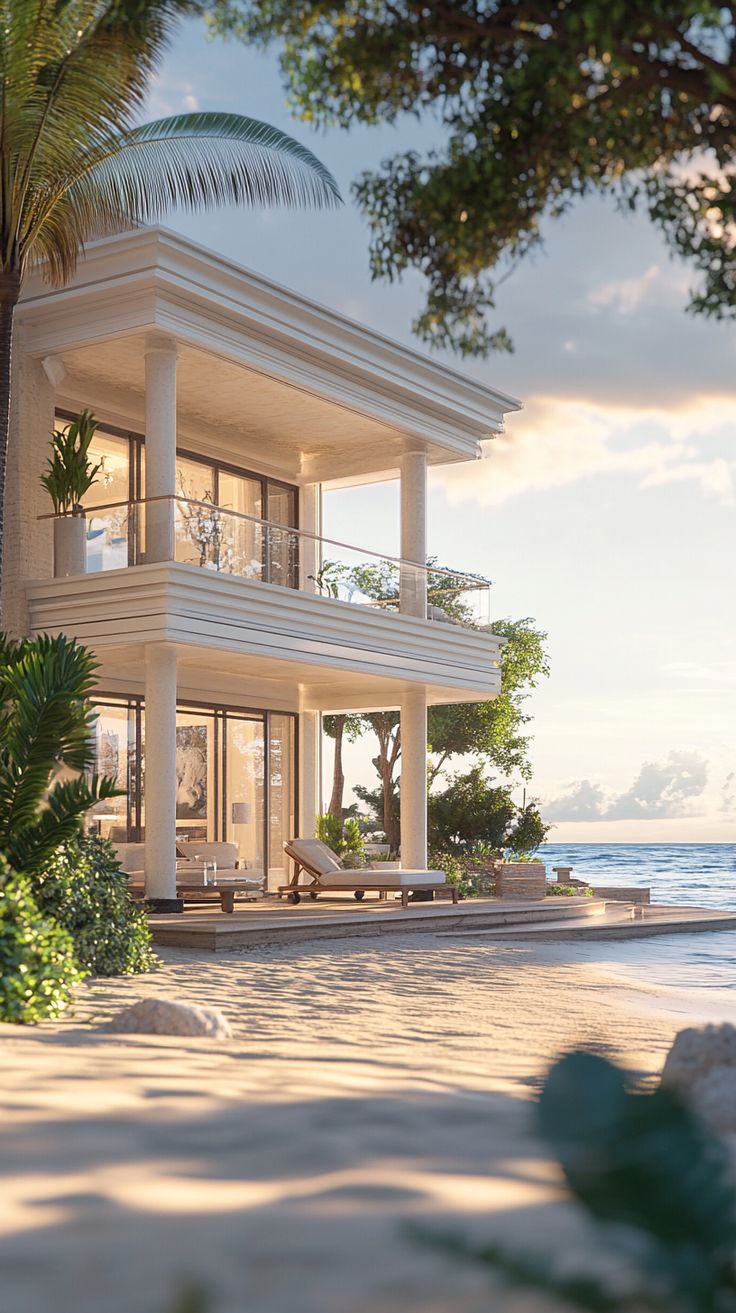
column 454, row 869
column 471, row 812
column 652, row 1175
column 38, row 967
column 343, row 836
column 70, row 473
column 84, row 889
column 568, row 890
column 75, row 79
column 45, row 739
column 539, row 105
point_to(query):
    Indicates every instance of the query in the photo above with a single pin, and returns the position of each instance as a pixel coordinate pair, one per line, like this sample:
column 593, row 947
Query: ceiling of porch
column 237, row 411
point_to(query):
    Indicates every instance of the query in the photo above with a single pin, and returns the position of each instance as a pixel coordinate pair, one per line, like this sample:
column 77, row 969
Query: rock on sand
column 159, row 1016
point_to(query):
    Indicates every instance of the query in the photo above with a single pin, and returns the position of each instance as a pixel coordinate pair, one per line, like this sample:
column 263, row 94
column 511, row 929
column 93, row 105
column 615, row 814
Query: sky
column 607, row 510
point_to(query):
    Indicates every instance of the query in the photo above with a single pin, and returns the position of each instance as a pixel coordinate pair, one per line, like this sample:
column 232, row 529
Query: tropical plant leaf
column 58, row 820
column 647, row 1162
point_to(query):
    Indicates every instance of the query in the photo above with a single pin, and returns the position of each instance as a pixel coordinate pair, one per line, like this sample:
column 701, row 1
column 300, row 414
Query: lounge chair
column 326, row 875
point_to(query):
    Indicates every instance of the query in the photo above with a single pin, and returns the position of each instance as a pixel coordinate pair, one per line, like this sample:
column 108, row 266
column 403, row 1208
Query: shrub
column 343, row 837
column 38, row 968
column 568, row 891
column 454, row 869
column 85, row 890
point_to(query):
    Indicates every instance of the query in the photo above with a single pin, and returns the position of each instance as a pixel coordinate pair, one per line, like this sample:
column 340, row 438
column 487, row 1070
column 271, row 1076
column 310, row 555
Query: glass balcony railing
column 228, row 542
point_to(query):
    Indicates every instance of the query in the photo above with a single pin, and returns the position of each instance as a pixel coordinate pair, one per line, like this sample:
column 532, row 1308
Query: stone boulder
column 159, row 1016
column 701, row 1066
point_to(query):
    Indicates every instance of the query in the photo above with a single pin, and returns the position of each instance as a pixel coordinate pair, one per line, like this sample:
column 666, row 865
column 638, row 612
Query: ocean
column 677, row 873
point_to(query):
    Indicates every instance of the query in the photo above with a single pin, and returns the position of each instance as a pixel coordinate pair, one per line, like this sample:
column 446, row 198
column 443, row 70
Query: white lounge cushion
column 380, row 879
column 131, row 857
column 225, row 854
column 315, row 855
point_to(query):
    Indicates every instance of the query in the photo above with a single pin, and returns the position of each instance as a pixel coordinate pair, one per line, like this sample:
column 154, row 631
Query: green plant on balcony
column 70, row 473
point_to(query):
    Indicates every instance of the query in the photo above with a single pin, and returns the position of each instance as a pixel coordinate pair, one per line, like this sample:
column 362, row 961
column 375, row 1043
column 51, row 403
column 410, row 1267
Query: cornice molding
column 153, row 280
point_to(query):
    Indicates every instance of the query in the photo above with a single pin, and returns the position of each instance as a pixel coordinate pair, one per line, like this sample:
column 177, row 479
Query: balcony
column 204, row 576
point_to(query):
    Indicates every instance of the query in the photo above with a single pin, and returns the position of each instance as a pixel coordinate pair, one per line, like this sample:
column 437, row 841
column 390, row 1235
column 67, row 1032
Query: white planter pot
column 70, row 545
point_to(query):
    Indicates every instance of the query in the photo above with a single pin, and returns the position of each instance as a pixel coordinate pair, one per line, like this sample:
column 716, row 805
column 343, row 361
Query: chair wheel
column 359, row 895
column 313, row 896
column 294, row 898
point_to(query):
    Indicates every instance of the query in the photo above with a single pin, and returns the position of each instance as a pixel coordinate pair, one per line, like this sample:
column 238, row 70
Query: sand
column 369, row 1083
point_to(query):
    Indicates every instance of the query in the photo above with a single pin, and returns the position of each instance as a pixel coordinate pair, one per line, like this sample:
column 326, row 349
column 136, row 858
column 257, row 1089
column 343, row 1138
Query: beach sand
column 368, row 1084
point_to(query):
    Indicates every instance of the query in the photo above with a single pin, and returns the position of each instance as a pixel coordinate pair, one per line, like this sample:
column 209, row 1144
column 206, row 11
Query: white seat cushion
column 315, row 854
column 380, row 879
column 225, row 854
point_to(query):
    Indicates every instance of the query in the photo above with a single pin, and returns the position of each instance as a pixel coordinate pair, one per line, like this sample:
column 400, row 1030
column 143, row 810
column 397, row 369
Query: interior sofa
column 228, row 880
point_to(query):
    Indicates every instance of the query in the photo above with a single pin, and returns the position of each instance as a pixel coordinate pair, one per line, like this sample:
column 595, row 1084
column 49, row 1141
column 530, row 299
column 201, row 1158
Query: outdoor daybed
column 224, row 882
column 326, row 875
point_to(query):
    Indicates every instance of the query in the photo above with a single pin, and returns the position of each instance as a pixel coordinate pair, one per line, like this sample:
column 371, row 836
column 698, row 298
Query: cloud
column 728, row 795
column 709, row 673
column 627, row 294
column 559, row 441
column 584, row 802
column 661, row 791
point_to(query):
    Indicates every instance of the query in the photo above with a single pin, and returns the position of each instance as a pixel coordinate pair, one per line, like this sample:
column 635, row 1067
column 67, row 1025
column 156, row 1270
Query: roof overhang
column 154, row 280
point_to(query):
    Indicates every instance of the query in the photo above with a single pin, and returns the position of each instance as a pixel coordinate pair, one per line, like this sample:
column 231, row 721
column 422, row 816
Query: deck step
column 261, row 927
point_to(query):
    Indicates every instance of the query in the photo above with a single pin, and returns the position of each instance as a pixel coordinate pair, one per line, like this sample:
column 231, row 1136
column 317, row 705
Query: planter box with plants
column 69, row 476
column 521, row 879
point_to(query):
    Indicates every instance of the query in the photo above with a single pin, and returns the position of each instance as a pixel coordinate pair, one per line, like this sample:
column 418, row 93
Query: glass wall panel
column 283, row 548
column 234, row 779
column 197, row 524
column 196, row 776
column 281, row 794
column 245, row 788
column 107, row 532
column 242, row 540
column 116, row 755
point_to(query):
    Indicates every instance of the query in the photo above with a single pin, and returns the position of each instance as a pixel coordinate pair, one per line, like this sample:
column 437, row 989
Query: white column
column 160, row 445
column 160, row 775
column 414, row 780
column 414, row 531
column 310, row 765
column 310, row 520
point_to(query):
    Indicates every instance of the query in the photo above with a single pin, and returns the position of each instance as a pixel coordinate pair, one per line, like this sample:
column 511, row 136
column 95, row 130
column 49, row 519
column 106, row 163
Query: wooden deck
column 273, row 922
column 269, row 922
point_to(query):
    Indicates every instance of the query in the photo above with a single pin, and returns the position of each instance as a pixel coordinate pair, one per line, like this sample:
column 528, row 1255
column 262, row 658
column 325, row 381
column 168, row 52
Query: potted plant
column 69, row 476
column 344, row 838
column 383, row 862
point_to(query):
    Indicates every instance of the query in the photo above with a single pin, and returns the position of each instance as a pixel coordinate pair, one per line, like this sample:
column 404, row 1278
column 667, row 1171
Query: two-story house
column 223, row 623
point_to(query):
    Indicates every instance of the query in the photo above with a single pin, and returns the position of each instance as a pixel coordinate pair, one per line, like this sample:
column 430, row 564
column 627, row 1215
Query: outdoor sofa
column 224, row 883
column 324, row 874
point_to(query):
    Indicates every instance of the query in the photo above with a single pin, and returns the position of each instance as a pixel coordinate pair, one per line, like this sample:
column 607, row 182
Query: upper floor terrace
column 235, row 402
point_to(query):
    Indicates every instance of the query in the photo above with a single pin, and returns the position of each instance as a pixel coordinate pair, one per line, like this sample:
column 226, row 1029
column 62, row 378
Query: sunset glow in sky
column 606, row 512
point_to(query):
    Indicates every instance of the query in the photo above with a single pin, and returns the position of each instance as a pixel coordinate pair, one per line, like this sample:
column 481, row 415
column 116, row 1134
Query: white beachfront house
column 223, row 622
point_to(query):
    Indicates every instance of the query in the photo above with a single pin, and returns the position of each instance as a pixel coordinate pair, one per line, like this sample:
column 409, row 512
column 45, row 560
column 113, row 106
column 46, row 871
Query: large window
column 235, row 778
column 116, row 537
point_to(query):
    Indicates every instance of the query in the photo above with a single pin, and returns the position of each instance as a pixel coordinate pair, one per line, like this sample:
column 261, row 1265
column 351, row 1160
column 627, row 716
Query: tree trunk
column 9, row 292
column 388, row 733
column 338, row 774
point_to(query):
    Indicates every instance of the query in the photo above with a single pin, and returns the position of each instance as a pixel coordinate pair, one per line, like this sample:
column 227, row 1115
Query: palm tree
column 75, row 165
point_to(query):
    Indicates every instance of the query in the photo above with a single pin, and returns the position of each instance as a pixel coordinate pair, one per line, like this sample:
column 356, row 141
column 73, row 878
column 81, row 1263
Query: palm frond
column 48, row 724
column 59, row 820
column 194, row 161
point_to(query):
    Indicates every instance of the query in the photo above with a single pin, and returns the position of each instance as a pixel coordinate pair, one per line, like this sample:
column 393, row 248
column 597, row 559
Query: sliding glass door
column 235, row 778
column 235, row 543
